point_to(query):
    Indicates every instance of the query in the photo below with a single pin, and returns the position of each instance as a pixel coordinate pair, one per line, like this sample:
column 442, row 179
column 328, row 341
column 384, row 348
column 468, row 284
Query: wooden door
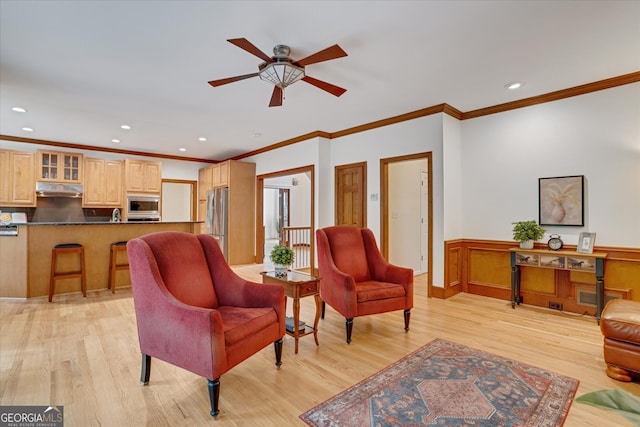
column 350, row 191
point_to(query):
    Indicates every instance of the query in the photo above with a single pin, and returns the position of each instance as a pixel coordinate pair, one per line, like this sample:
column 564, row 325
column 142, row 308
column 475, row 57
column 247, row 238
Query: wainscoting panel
column 483, row 267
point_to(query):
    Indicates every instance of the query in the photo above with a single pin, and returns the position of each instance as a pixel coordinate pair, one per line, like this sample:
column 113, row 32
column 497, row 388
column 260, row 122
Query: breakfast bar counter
column 25, row 259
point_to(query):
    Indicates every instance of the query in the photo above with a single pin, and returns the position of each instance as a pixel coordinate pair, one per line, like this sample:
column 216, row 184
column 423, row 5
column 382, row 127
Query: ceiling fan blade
column 216, row 83
column 331, row 52
column 276, row 97
column 249, row 47
column 332, row 89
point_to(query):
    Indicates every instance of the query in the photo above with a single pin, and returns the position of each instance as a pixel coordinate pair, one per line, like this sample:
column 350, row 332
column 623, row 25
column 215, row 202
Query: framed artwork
column 561, row 200
column 585, row 242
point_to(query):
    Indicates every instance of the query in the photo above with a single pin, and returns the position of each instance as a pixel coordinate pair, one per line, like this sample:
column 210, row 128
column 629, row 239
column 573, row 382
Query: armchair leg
column 349, row 329
column 214, row 396
column 145, row 371
column 323, row 304
column 278, row 347
column 407, row 317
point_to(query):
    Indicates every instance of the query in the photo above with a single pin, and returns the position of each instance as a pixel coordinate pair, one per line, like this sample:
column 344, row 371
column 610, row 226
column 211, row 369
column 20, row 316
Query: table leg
column 315, row 322
column 296, row 319
column 515, row 286
column 599, row 297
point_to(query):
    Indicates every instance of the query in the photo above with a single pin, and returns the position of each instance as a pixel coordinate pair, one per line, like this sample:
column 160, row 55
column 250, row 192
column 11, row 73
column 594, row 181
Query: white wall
column 416, row 136
column 176, row 201
column 405, row 212
column 452, row 171
column 596, row 135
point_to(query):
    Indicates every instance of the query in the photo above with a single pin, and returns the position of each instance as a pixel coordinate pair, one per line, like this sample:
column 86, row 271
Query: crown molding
column 101, row 149
column 435, row 109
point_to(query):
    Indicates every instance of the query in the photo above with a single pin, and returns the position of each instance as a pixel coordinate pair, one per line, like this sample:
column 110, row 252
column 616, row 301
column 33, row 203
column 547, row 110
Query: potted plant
column 282, row 256
column 526, row 232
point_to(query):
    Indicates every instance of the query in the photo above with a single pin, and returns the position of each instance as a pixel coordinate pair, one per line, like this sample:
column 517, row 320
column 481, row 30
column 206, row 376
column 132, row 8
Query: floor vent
column 586, row 297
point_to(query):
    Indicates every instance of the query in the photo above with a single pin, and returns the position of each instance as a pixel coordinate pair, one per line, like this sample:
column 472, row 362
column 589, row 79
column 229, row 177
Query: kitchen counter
column 25, row 259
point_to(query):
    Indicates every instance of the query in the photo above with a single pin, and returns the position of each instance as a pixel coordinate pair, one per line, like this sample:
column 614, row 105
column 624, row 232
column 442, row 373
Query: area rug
column 449, row 384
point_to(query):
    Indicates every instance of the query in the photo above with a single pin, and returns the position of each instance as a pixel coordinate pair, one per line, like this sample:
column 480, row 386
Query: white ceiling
column 82, row 69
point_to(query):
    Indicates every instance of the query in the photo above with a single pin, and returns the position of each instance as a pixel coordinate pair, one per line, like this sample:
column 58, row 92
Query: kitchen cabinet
column 54, row 166
column 220, row 172
column 205, row 182
column 202, row 215
column 143, row 176
column 103, row 183
column 240, row 179
column 214, row 176
column 17, row 178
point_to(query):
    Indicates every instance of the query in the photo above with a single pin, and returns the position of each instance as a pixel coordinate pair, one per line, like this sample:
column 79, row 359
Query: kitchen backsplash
column 88, row 214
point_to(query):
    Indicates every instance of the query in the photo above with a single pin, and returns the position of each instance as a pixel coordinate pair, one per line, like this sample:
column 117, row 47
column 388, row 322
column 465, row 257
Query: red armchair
column 194, row 312
column 356, row 280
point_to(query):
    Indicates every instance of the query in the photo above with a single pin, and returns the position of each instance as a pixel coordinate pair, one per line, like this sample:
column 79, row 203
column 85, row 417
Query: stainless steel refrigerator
column 217, row 222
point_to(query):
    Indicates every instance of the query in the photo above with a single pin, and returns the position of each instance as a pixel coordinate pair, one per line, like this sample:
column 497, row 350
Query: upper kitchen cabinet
column 220, row 172
column 17, row 178
column 102, row 183
column 57, row 166
column 205, row 181
column 142, row 176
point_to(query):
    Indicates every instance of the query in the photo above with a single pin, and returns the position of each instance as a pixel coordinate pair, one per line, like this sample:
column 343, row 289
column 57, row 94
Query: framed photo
column 585, row 242
column 561, row 200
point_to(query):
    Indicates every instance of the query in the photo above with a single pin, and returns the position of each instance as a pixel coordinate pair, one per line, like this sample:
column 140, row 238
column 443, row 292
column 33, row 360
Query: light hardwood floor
column 83, row 353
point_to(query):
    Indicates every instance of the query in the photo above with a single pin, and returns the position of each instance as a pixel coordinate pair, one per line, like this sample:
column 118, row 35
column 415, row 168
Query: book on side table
column 289, row 325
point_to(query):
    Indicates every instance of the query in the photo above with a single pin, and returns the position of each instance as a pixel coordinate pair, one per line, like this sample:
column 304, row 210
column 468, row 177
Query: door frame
column 260, row 209
column 384, row 208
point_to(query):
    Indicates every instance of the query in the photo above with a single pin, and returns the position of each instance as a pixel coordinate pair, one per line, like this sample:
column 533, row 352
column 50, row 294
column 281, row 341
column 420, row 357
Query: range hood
column 57, row 189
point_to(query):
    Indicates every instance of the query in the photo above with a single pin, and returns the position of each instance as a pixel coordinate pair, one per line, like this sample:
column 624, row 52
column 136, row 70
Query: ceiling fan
column 282, row 71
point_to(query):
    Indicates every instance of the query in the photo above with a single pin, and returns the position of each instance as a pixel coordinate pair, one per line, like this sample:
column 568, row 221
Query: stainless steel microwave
column 143, row 208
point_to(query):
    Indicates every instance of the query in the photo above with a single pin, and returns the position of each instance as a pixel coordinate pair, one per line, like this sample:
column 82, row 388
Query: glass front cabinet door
column 59, row 167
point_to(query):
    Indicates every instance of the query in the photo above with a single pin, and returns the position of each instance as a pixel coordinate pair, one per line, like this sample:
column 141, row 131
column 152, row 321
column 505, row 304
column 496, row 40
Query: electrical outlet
column 555, row 305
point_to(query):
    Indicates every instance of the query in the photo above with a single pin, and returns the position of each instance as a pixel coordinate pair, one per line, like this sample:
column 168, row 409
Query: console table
column 297, row 285
column 559, row 260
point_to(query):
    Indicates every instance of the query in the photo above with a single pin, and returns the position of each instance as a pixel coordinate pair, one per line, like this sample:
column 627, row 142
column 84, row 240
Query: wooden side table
column 559, row 260
column 298, row 285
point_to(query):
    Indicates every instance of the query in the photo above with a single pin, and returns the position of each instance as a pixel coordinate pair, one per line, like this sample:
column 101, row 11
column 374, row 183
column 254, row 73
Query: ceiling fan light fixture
column 281, row 74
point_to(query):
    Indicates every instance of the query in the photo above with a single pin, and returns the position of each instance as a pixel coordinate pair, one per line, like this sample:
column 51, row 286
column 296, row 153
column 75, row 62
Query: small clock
column 555, row 242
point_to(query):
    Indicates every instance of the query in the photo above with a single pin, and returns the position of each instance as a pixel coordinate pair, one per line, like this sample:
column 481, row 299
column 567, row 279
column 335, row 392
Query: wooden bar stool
column 67, row 248
column 113, row 263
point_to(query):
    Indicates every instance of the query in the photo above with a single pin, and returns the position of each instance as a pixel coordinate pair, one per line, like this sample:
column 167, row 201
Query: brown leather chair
column 356, row 280
column 620, row 325
column 194, row 312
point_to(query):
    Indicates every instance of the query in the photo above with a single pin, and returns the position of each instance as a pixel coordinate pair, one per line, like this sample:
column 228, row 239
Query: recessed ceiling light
column 514, row 85
column 117, row 141
column 182, row 149
column 202, row 139
column 27, row 129
column 126, row 127
column 19, row 109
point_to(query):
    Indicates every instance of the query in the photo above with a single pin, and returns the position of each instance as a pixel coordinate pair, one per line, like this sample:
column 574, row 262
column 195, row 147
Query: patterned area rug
column 448, row 384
